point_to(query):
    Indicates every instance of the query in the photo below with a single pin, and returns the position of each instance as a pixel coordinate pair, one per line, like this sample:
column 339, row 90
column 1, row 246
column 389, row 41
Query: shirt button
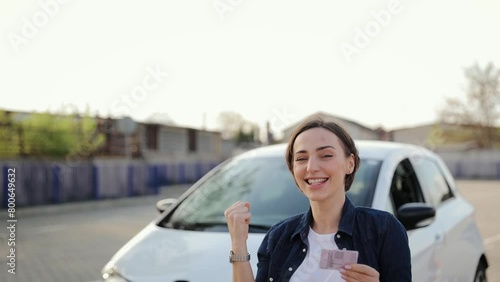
column 304, row 250
column 338, row 236
column 271, row 279
column 290, row 269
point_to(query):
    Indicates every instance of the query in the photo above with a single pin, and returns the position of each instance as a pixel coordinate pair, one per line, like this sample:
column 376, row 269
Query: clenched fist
column 238, row 219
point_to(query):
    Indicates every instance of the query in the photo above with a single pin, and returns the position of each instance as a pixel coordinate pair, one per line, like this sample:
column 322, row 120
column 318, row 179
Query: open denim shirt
column 378, row 236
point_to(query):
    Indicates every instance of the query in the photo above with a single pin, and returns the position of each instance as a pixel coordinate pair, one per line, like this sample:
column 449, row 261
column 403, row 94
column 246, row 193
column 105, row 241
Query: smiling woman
column 334, row 240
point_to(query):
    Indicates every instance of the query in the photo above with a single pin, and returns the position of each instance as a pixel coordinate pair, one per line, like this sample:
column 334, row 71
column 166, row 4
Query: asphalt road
column 485, row 196
column 73, row 242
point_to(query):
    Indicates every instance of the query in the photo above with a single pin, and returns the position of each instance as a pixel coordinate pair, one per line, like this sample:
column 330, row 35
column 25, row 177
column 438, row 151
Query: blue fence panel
column 156, row 186
column 56, row 186
column 458, row 170
column 76, row 183
column 38, row 182
column 199, row 171
column 163, row 174
column 95, row 182
column 130, row 180
column 182, row 173
column 42, row 183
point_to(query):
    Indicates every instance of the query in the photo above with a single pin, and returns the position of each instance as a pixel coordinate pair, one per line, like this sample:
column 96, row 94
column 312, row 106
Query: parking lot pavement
column 72, row 242
column 485, row 196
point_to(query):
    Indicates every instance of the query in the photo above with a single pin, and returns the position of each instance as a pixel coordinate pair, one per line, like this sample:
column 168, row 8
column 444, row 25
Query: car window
column 405, row 187
column 363, row 187
column 432, row 181
column 264, row 182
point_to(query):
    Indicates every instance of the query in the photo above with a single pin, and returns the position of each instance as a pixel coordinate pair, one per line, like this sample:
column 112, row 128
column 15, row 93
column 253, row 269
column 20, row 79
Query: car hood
column 163, row 254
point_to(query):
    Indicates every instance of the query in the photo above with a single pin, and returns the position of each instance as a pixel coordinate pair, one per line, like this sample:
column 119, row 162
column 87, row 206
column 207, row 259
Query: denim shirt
column 378, row 236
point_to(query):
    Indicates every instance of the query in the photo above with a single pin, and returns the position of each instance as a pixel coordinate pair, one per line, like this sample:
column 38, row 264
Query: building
column 432, row 136
column 356, row 130
column 159, row 142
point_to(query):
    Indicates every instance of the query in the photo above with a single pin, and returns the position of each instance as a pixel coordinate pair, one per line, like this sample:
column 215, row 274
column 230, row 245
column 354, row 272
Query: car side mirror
column 416, row 215
column 162, row 205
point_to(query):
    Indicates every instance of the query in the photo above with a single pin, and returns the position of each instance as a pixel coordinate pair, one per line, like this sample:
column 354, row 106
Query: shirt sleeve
column 263, row 255
column 395, row 256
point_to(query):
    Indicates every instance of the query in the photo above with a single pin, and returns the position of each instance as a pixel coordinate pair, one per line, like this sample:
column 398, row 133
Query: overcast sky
column 380, row 63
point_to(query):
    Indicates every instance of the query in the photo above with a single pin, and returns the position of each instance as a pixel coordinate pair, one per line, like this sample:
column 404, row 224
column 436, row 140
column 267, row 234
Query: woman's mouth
column 313, row 181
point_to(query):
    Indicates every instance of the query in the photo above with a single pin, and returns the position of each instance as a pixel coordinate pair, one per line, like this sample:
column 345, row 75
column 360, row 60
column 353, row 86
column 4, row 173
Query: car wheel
column 480, row 273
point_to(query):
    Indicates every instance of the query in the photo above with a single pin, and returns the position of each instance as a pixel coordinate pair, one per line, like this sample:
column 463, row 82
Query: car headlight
column 112, row 275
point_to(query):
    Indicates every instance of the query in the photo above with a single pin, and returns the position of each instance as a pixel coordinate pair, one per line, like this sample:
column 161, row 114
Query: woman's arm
column 238, row 218
column 395, row 256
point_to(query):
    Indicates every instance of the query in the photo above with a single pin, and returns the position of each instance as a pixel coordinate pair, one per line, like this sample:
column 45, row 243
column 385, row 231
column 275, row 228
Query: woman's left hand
column 359, row 273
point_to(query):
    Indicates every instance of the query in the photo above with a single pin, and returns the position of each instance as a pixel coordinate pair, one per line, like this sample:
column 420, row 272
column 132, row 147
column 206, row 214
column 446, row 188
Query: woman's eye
column 327, row 156
column 300, row 159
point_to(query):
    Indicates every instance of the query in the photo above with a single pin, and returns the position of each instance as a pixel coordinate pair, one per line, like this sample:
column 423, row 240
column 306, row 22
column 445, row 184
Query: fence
column 41, row 183
column 479, row 164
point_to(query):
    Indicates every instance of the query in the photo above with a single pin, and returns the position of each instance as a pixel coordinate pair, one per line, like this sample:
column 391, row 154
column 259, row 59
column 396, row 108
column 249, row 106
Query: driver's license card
column 334, row 259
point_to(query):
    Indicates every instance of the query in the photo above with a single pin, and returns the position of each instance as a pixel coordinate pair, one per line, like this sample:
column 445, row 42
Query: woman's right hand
column 238, row 219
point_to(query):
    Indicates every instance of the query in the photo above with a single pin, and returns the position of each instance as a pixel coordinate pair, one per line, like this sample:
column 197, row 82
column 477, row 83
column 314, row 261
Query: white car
column 189, row 241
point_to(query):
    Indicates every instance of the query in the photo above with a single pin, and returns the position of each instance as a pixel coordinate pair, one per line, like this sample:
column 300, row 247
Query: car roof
column 368, row 149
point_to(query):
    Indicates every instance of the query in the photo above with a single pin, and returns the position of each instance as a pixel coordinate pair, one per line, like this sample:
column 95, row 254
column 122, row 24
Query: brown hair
column 348, row 145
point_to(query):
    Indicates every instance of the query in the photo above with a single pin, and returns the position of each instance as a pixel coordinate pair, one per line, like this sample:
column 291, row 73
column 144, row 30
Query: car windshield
column 267, row 184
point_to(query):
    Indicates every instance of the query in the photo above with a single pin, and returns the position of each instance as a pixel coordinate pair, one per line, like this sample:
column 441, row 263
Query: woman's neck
column 327, row 215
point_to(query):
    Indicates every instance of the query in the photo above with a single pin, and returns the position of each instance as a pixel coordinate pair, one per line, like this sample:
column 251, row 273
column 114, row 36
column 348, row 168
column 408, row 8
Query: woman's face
column 320, row 164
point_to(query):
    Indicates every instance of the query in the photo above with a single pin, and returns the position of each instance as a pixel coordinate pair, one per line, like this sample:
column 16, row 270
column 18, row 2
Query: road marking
column 492, row 240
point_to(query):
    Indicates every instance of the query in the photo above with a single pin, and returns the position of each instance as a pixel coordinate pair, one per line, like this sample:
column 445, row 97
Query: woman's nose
column 312, row 164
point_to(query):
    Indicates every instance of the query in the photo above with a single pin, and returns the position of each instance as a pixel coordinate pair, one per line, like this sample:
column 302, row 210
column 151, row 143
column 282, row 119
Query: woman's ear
column 351, row 163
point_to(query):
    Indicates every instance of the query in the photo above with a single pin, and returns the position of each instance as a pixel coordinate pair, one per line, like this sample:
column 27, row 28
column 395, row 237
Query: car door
column 457, row 260
column 426, row 243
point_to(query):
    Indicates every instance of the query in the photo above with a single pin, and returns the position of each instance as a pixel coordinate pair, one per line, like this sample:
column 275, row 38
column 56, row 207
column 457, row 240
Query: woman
column 323, row 160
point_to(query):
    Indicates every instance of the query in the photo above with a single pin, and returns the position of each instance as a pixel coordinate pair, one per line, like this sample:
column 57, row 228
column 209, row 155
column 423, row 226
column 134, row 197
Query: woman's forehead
column 315, row 138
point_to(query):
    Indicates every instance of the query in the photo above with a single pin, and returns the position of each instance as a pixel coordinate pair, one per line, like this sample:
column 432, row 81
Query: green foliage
column 49, row 135
column 9, row 141
column 243, row 137
column 45, row 134
column 90, row 140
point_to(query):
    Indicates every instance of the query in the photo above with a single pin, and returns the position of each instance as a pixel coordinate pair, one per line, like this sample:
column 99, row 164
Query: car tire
column 480, row 273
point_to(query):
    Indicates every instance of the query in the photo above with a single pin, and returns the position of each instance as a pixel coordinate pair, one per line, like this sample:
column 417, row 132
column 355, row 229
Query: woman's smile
column 316, row 182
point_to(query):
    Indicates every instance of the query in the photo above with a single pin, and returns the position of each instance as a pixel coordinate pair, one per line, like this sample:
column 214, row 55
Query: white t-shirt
column 309, row 270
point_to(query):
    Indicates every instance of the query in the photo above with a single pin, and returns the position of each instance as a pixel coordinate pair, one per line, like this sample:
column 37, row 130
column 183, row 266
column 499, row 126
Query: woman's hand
column 238, row 218
column 359, row 273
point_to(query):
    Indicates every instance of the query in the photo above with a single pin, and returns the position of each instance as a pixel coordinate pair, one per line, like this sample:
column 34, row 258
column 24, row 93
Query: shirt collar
column 346, row 224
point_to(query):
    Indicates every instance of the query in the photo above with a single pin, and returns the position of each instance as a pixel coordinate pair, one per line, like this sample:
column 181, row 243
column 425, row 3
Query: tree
column 478, row 115
column 50, row 135
column 9, row 141
column 230, row 124
column 234, row 126
column 160, row 118
column 244, row 136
